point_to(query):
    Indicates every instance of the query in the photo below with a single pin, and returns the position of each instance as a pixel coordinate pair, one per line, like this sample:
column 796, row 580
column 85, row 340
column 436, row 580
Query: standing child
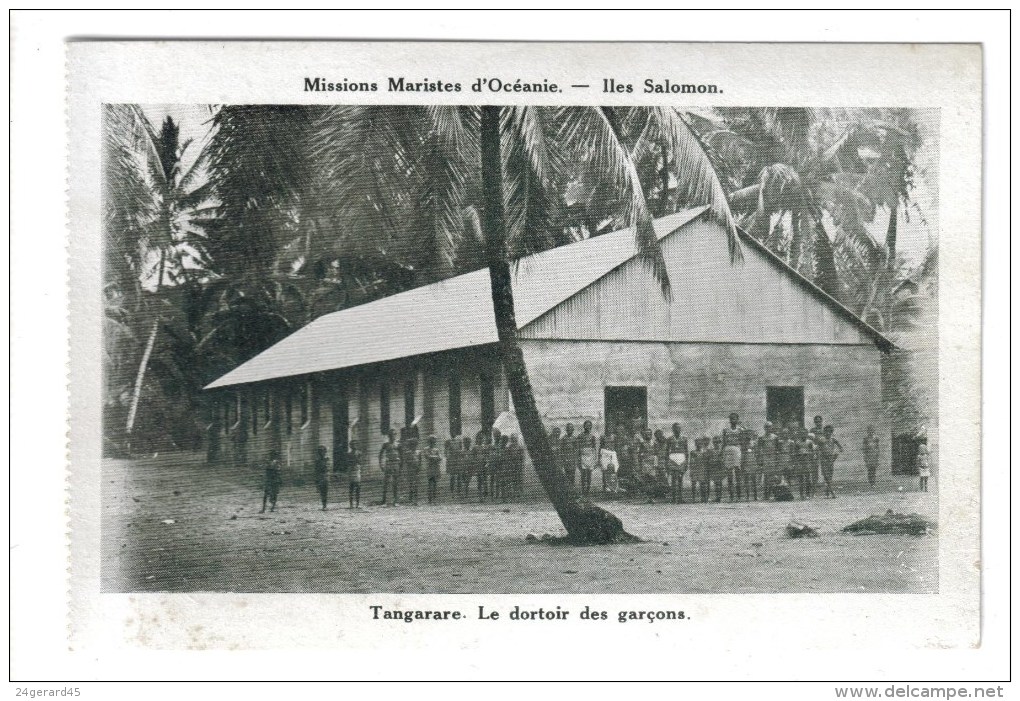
column 493, row 459
column 588, row 451
column 647, row 463
column 433, row 466
column 717, row 471
column 515, row 467
column 495, row 464
column 767, row 460
column 749, row 466
column 453, row 455
column 466, row 467
column 828, row 450
column 483, row 446
column 475, row 463
column 354, row 464
column 389, row 463
column 699, row 471
column 676, row 457
column 624, row 456
column 732, row 454
column 923, row 465
column 661, row 460
column 569, row 454
column 609, row 461
column 322, row 474
column 870, row 450
column 784, row 457
column 805, row 463
column 274, row 480
column 448, row 449
column 410, row 462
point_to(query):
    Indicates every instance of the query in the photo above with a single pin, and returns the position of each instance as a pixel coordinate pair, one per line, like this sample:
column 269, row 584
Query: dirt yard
column 172, row 524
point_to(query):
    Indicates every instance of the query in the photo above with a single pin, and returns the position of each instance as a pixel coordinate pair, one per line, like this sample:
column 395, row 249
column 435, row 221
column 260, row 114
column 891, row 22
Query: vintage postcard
column 468, row 346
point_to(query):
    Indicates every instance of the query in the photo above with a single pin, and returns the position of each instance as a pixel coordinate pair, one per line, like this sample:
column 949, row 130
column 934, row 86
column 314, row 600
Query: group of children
column 405, row 460
column 655, row 465
column 493, row 460
column 769, row 465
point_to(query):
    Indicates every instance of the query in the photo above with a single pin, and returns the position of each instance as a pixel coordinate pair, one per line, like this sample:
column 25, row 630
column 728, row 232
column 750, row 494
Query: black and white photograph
column 531, row 349
column 411, row 359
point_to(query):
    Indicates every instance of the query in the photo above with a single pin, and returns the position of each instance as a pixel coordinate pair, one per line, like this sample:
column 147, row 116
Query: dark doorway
column 627, row 406
column 341, row 426
column 904, row 453
column 784, row 405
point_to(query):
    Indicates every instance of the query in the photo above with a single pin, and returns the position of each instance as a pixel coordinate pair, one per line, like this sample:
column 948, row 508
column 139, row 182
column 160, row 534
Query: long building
column 600, row 341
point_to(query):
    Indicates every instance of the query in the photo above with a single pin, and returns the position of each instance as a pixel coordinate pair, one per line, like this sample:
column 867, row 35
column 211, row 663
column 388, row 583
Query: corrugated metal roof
column 454, row 313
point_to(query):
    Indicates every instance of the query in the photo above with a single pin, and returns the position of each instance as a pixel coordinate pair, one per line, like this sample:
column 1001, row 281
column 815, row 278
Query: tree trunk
column 162, row 269
column 585, row 523
column 890, row 238
column 664, row 197
column 136, row 393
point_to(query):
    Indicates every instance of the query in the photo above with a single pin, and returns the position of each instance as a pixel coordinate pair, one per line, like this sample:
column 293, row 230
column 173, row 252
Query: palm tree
column 809, row 182
column 151, row 210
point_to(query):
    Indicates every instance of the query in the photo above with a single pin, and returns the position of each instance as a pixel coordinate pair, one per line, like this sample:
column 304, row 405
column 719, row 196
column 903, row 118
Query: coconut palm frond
column 600, row 130
column 790, row 125
column 456, row 126
column 697, row 182
column 649, row 250
column 366, row 163
column 195, row 170
column 529, row 130
column 826, row 276
column 532, row 167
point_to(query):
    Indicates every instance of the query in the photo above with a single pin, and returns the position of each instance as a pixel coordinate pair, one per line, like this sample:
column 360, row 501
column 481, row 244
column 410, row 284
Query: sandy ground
column 174, row 524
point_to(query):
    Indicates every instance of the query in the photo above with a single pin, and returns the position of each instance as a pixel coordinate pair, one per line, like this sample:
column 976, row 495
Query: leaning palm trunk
column 890, row 237
column 585, row 522
column 136, row 393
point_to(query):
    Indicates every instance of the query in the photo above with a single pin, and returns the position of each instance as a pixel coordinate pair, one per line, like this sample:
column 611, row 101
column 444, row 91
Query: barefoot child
column 828, row 450
column 870, row 449
column 588, row 450
column 570, row 455
column 354, row 463
column 804, row 462
column 274, row 480
column 923, row 466
column 716, row 466
column 322, row 474
column 433, row 460
column 768, row 460
column 466, row 466
column 677, row 451
column 454, row 454
column 699, row 470
column 410, row 462
column 609, row 461
column 389, row 463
